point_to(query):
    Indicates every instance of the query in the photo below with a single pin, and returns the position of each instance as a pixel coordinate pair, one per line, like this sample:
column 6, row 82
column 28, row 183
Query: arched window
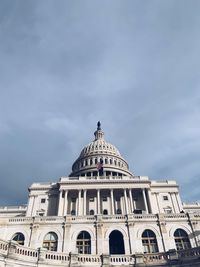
column 91, row 162
column 105, row 212
column 181, row 239
column 91, row 212
column 83, row 243
column 106, row 161
column 50, row 241
column 149, row 242
column 111, row 161
column 19, row 238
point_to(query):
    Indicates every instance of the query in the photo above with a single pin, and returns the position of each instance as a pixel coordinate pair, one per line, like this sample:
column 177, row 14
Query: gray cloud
column 134, row 65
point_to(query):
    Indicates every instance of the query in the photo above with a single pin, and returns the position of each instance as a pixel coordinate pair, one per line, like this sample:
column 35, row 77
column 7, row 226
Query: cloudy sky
column 64, row 65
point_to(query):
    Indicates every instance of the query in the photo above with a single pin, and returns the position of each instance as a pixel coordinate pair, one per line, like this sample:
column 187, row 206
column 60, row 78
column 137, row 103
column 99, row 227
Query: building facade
column 100, row 215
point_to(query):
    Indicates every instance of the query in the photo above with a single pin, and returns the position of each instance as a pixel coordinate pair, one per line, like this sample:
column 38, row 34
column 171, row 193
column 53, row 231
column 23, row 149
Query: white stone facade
column 105, row 205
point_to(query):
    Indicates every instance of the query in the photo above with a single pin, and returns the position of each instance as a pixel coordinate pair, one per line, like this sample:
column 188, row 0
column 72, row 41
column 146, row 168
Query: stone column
column 149, row 201
column 174, row 210
column 98, row 202
column 131, row 200
column 145, row 200
column 79, row 211
column 126, row 201
column 156, row 194
column 178, row 202
column 65, row 203
column 84, row 201
column 112, row 202
column 60, row 207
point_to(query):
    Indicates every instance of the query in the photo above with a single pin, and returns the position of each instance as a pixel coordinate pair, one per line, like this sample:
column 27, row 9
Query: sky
column 132, row 64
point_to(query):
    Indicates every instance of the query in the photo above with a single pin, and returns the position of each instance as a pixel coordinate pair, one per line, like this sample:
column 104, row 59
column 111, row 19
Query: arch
column 181, row 226
column 77, row 231
column 50, row 241
column 149, row 241
column 142, row 229
column 91, row 212
column 83, row 243
column 181, row 239
column 19, row 238
column 116, row 243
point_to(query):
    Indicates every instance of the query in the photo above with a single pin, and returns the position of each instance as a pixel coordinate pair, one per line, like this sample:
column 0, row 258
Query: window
column 104, row 199
column 106, row 161
column 149, row 242
column 73, row 212
column 91, row 212
column 91, row 199
column 83, row 243
column 43, row 200
column 50, row 241
column 105, row 212
column 181, row 239
column 119, row 211
column 168, row 210
column 165, row 197
column 91, row 162
column 19, row 238
column 73, row 199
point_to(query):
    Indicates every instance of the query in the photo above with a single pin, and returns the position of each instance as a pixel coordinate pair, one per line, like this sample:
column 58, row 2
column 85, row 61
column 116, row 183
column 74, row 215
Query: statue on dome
column 98, row 126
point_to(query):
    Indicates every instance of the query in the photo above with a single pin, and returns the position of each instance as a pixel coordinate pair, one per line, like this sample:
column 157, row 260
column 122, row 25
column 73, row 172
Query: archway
column 116, row 243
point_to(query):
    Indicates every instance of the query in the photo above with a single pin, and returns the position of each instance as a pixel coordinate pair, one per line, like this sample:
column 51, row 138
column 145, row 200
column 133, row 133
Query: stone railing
column 121, row 260
column 17, row 253
column 89, row 259
column 93, row 218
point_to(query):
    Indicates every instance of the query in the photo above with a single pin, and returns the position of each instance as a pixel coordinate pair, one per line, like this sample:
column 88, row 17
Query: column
column 131, row 200
column 79, row 211
column 145, row 200
column 65, row 203
column 149, row 201
column 156, row 194
column 98, row 202
column 84, row 201
column 126, row 201
column 112, row 202
column 60, row 204
column 178, row 202
column 174, row 210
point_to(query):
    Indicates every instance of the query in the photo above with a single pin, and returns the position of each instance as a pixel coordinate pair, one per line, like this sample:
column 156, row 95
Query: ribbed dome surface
column 99, row 146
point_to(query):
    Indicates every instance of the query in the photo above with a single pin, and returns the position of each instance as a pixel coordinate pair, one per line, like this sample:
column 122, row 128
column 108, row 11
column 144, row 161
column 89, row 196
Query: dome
column 100, row 153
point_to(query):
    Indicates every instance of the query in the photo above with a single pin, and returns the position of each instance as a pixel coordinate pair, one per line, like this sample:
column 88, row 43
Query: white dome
column 96, row 151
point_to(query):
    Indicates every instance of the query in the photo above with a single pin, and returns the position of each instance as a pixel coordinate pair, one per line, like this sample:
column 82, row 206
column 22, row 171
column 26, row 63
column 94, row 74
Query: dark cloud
column 134, row 65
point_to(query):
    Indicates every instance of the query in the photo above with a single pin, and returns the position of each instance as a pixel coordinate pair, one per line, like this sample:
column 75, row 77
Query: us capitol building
column 101, row 215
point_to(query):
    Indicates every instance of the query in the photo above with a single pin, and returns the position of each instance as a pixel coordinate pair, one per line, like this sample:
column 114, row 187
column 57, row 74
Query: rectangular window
column 165, row 197
column 43, row 200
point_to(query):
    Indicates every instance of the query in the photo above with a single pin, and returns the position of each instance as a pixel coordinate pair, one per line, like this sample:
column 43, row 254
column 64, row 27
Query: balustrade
column 9, row 249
